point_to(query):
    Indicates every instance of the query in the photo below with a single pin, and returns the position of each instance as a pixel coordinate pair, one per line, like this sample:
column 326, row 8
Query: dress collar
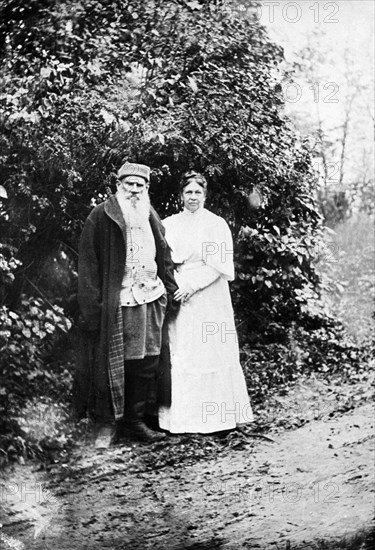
column 194, row 215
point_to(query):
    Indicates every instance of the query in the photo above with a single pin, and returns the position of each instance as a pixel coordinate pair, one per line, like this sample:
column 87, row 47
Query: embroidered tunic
column 140, row 284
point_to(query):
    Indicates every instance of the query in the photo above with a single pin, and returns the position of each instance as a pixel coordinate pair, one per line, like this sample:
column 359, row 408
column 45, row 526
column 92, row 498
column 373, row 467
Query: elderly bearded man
column 125, row 283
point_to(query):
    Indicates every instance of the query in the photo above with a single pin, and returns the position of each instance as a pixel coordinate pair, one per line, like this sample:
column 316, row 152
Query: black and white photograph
column 187, row 275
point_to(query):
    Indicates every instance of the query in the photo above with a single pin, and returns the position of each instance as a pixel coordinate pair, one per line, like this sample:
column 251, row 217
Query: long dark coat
column 101, row 265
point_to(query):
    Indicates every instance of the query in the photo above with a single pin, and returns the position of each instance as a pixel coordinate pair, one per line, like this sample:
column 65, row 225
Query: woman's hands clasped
column 184, row 293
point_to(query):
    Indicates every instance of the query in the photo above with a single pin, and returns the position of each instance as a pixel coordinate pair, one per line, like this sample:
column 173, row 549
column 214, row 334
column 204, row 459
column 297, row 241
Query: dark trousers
column 140, row 387
column 92, row 393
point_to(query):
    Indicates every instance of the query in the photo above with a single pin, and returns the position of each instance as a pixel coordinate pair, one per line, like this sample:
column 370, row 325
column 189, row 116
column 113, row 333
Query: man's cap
column 132, row 169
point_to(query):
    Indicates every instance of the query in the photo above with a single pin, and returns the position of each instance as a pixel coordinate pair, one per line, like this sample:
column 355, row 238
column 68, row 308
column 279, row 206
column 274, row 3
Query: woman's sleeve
column 217, row 254
column 203, row 277
column 217, row 251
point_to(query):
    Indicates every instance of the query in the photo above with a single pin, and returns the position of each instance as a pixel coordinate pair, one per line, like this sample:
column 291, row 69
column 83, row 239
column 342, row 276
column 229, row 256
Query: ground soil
column 285, row 489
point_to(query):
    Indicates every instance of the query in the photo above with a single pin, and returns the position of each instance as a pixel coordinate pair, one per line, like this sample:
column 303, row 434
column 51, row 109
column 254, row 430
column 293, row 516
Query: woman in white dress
column 208, row 389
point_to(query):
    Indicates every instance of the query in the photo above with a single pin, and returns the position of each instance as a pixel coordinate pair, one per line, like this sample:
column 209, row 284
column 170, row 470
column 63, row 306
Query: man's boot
column 105, row 434
column 141, row 432
column 136, row 392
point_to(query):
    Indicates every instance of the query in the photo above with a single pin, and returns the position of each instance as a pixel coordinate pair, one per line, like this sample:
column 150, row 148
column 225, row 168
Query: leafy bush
column 326, row 351
column 201, row 90
column 27, row 336
column 177, row 85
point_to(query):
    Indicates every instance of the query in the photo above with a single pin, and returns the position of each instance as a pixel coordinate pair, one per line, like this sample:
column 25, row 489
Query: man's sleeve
column 170, row 282
column 89, row 280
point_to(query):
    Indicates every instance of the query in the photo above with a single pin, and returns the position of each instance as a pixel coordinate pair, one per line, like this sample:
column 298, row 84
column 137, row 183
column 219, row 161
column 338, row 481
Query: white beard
column 136, row 209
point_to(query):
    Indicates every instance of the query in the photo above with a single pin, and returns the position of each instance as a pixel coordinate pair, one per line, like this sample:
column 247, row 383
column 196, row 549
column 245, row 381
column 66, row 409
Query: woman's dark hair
column 196, row 176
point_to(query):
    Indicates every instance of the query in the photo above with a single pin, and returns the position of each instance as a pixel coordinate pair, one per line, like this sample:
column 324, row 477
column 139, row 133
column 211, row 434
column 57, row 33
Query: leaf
column 125, row 126
column 268, row 237
column 49, row 328
column 45, row 72
column 109, row 118
column 194, row 5
column 193, row 84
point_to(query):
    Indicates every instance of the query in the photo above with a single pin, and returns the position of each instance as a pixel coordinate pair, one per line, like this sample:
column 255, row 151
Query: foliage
column 205, row 94
column 177, row 85
column 277, row 282
column 27, row 336
column 325, row 351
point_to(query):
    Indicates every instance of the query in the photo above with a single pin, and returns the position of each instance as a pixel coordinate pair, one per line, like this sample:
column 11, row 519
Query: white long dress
column 208, row 386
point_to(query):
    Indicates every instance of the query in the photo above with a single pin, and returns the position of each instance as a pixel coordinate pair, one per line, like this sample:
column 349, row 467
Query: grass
column 351, row 266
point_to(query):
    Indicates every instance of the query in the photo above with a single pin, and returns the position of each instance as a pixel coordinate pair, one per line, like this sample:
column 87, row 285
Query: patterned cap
column 132, row 169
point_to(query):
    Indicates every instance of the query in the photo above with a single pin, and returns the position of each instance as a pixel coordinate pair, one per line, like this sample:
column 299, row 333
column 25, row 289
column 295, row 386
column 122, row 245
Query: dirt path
column 312, row 483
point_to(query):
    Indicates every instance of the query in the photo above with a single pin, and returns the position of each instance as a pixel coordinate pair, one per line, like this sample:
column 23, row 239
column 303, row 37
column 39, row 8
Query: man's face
column 133, row 186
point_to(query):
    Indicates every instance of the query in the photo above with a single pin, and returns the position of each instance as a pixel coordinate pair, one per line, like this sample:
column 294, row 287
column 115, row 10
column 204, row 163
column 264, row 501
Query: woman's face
column 193, row 196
